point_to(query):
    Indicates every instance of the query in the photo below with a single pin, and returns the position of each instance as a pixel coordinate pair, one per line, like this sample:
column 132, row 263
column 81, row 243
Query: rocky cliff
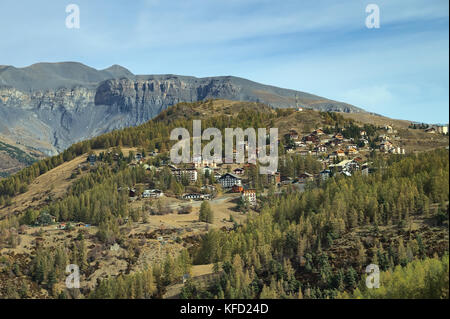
column 52, row 105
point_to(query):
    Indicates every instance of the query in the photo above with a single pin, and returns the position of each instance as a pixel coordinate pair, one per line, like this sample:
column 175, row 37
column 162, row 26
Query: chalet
column 228, row 180
column 305, row 177
column 250, row 195
column 338, row 136
column 238, row 171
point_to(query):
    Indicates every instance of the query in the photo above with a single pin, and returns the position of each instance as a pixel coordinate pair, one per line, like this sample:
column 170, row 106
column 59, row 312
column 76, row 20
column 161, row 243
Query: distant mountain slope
column 13, row 158
column 53, row 105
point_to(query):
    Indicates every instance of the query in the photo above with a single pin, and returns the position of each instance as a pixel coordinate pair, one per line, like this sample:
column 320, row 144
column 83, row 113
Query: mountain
column 52, row 105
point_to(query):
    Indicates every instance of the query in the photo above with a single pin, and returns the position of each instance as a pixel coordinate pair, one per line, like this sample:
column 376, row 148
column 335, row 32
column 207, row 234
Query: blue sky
column 400, row 70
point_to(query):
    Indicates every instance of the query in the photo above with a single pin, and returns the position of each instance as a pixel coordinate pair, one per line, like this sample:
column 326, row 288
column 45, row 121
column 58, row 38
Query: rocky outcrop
column 51, row 106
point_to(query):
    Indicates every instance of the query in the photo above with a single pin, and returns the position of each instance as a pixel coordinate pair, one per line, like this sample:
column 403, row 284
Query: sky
column 400, row 69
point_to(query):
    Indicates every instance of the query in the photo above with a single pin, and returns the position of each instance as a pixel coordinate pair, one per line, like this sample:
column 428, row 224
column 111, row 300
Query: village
column 336, row 153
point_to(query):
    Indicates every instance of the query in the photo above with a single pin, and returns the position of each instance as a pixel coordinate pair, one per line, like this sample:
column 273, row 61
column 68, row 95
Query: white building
column 228, row 180
column 250, row 195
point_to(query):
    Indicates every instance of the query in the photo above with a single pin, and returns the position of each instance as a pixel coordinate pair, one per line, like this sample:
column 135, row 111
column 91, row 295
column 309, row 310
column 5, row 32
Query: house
column 352, row 151
column 228, row 180
column 389, row 129
column 338, row 136
column 365, row 141
column 365, row 169
column 238, row 171
column 250, row 195
column 190, row 173
column 285, row 180
column 442, row 129
column 293, row 134
column 299, row 109
column 431, row 130
column 208, row 170
column 386, row 146
column 363, row 133
column 345, row 165
column 299, row 144
column 325, row 174
column 339, row 153
column 318, row 132
column 92, row 158
column 152, row 193
column 320, row 148
column 305, row 177
column 309, row 139
column 274, row 178
column 237, row 189
column 194, row 196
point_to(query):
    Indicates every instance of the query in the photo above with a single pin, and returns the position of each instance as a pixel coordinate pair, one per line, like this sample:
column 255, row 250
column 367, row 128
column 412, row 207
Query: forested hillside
column 310, row 243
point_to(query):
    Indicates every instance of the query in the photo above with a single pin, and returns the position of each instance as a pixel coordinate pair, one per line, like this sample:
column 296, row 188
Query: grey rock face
column 55, row 105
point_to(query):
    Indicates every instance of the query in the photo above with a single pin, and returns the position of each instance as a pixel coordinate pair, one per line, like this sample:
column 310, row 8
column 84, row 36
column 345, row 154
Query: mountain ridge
column 54, row 105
